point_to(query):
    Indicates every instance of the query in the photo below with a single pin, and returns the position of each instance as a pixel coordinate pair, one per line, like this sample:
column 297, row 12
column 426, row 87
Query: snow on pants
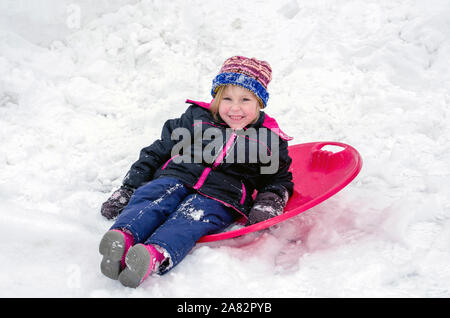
column 167, row 213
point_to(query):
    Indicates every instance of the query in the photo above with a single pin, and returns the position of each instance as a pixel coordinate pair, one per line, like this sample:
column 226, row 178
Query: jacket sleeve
column 281, row 181
column 155, row 155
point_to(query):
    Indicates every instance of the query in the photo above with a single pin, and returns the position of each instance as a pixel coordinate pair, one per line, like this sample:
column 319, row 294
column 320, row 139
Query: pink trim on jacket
column 167, row 162
column 224, row 203
column 201, row 104
column 202, row 178
column 272, row 124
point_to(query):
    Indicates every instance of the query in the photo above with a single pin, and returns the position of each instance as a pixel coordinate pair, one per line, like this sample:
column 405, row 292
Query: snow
column 85, row 85
column 190, row 212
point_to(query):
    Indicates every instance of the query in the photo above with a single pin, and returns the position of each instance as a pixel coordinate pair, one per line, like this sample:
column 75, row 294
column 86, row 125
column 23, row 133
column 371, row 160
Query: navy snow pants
column 167, row 213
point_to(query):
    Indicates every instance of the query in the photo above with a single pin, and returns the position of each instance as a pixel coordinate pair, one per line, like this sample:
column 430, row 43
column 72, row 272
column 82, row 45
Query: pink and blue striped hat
column 249, row 73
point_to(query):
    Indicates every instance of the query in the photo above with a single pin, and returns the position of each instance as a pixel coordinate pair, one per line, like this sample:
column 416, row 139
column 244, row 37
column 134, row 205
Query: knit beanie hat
column 248, row 73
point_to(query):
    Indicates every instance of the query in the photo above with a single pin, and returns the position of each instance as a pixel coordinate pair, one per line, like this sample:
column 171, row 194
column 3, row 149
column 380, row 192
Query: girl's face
column 238, row 106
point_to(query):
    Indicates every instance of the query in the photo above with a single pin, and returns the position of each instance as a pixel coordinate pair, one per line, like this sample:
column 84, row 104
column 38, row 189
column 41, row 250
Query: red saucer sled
column 317, row 175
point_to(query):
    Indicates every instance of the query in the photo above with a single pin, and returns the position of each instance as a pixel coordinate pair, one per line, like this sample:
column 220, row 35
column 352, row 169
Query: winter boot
column 141, row 261
column 114, row 246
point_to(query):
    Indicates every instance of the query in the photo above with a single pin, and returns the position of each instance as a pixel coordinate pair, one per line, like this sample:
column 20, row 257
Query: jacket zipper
column 244, row 193
column 225, row 150
column 218, row 161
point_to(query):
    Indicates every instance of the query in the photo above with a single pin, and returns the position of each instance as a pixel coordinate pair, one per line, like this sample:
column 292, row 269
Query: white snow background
column 84, row 85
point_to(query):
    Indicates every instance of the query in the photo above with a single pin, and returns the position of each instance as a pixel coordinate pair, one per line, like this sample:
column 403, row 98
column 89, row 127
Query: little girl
column 170, row 199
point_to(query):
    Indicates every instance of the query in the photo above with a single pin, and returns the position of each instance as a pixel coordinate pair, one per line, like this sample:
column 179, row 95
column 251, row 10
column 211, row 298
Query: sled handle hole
column 327, row 157
column 332, row 148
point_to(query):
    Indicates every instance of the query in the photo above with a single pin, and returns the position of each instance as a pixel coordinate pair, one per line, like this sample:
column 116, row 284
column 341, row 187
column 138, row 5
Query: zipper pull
column 225, row 150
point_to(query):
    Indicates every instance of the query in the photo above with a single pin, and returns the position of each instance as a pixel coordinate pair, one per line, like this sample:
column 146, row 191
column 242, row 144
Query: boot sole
column 112, row 247
column 138, row 263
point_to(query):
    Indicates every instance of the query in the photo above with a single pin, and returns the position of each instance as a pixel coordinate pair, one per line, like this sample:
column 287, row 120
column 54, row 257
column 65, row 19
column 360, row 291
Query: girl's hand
column 267, row 205
column 117, row 202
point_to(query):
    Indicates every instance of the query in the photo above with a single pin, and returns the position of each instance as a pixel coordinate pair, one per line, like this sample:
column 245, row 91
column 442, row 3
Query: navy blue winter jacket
column 218, row 162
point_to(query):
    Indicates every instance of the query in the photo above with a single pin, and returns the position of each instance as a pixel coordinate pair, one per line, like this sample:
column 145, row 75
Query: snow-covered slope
column 85, row 85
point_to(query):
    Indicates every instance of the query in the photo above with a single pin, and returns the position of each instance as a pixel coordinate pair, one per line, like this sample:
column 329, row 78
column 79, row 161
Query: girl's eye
column 246, row 99
column 227, row 98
